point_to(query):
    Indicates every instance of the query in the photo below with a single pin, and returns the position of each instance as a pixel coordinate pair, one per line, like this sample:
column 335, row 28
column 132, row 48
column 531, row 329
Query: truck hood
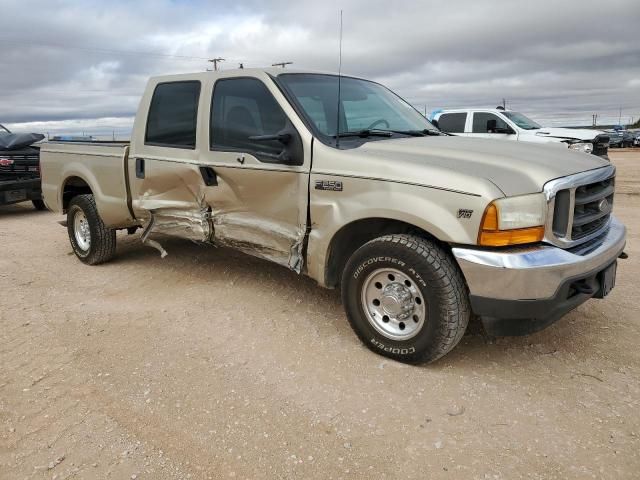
column 450, row 162
column 566, row 133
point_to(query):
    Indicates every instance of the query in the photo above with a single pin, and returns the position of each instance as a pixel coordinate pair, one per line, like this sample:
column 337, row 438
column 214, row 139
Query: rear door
column 261, row 155
column 453, row 122
column 166, row 185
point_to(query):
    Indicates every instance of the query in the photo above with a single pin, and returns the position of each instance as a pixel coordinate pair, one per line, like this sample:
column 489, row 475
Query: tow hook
column 623, row 256
column 582, row 287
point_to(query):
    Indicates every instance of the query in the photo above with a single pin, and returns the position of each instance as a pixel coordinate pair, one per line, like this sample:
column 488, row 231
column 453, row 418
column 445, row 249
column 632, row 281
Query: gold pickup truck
column 420, row 229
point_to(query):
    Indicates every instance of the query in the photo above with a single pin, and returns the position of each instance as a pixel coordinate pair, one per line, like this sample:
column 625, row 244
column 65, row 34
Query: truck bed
column 100, row 166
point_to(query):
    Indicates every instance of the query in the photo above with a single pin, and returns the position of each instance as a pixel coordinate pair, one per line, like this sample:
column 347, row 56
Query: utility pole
column 504, row 103
column 281, row 64
column 620, row 116
column 215, row 62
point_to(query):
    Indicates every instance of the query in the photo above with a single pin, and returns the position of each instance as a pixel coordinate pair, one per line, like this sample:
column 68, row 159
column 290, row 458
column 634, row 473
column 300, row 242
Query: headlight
column 513, row 221
column 586, row 147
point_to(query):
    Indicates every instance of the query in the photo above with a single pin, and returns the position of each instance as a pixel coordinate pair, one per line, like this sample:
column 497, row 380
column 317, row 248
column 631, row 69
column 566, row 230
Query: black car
column 627, row 138
column 20, row 169
column 615, row 139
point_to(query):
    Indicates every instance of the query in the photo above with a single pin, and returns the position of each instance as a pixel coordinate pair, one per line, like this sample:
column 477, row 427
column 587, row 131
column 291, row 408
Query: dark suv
column 19, row 173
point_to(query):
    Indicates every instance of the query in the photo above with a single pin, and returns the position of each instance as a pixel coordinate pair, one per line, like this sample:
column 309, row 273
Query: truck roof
column 237, row 72
column 480, row 109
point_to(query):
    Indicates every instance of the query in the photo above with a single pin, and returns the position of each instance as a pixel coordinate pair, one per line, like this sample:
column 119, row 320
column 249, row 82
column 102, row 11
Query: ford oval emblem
column 603, row 205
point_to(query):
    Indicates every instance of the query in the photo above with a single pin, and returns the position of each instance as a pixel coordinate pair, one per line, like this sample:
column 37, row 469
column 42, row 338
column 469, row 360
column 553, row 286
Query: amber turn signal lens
column 491, row 236
column 511, row 237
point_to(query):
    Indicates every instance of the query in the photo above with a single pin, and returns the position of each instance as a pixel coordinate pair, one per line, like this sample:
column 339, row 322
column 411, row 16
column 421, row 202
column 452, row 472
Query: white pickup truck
column 419, row 229
column 501, row 124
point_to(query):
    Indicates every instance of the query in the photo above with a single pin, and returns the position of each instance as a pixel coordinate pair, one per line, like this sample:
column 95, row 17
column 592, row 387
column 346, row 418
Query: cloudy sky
column 81, row 66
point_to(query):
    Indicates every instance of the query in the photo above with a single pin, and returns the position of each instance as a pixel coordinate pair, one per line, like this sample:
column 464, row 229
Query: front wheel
column 405, row 298
column 92, row 242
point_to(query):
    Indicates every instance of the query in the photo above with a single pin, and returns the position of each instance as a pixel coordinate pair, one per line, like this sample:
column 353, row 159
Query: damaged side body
column 261, row 219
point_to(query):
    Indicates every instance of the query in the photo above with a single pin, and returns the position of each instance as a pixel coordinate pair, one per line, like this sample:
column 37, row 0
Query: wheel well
column 355, row 234
column 74, row 186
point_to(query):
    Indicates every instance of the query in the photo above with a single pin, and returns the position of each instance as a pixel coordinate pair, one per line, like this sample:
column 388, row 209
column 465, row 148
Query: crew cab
column 420, row 230
column 502, row 124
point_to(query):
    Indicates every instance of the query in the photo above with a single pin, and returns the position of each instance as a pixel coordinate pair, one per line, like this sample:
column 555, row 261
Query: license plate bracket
column 607, row 280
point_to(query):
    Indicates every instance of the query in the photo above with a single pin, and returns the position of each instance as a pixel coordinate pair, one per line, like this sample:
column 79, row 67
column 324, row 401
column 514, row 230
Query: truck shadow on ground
column 20, row 210
column 575, row 336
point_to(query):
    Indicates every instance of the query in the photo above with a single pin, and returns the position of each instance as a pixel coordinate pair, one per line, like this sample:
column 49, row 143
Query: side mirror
column 292, row 152
column 492, row 127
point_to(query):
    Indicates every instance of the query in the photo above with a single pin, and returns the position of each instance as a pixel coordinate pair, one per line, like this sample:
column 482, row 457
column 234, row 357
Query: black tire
column 39, row 204
column 102, row 245
column 437, row 278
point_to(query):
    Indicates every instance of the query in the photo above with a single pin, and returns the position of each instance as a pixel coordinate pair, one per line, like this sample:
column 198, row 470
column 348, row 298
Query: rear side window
column 173, row 115
column 452, row 122
column 244, row 108
column 480, row 120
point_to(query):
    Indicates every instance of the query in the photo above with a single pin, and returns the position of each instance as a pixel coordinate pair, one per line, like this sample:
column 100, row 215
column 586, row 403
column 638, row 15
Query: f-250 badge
column 333, row 185
column 464, row 213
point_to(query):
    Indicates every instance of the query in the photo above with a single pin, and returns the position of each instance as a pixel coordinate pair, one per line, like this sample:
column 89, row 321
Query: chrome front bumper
column 534, row 273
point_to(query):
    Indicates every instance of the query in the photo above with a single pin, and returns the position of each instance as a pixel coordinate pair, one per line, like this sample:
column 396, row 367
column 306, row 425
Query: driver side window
column 243, row 108
column 481, row 125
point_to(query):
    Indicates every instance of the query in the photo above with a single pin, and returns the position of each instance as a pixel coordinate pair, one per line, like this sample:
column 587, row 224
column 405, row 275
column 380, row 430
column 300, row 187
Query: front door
column 261, row 166
column 490, row 125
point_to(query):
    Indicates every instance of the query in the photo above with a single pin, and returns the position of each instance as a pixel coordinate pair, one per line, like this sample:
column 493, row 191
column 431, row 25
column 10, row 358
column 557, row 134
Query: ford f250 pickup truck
column 420, row 230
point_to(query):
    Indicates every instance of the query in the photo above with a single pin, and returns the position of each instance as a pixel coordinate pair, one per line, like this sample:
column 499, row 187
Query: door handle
column 139, row 167
column 209, row 176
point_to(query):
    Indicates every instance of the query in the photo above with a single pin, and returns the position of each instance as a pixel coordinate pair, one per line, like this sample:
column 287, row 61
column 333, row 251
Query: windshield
column 364, row 105
column 521, row 120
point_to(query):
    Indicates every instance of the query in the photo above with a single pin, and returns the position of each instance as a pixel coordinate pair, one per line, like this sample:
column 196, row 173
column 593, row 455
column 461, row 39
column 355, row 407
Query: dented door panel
column 260, row 209
column 172, row 195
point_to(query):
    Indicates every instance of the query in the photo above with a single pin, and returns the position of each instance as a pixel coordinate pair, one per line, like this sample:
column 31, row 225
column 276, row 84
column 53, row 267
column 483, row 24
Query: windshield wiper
column 365, row 133
column 418, row 133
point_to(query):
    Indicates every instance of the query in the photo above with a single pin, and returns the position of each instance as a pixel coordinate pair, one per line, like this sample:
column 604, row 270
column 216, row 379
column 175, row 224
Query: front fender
column 449, row 216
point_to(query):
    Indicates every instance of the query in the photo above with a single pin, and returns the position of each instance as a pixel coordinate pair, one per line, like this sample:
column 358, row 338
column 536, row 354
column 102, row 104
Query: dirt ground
column 211, row 364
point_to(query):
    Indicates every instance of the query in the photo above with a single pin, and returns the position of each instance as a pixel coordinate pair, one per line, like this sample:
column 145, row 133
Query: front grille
column 20, row 163
column 580, row 206
column 592, row 207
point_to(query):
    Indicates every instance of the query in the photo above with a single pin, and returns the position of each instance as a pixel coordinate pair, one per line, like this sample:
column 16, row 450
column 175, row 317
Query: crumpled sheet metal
column 259, row 237
column 180, row 209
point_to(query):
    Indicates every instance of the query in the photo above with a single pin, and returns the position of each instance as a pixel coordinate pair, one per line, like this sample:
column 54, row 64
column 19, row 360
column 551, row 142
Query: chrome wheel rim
column 393, row 304
column 81, row 230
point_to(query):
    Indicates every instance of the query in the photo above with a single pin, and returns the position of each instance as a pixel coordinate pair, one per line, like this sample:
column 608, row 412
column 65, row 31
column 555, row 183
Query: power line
column 103, row 50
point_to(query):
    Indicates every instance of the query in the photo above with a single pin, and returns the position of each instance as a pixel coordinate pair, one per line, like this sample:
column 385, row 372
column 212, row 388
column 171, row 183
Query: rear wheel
column 92, row 242
column 405, row 298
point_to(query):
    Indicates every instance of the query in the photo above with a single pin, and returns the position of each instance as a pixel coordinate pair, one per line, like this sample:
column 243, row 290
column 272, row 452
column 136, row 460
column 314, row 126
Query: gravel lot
column 212, row 364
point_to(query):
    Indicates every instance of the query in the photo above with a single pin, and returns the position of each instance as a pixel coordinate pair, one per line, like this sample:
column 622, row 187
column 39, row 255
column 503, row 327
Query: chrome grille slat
column 582, row 219
column 588, row 198
column 587, row 214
